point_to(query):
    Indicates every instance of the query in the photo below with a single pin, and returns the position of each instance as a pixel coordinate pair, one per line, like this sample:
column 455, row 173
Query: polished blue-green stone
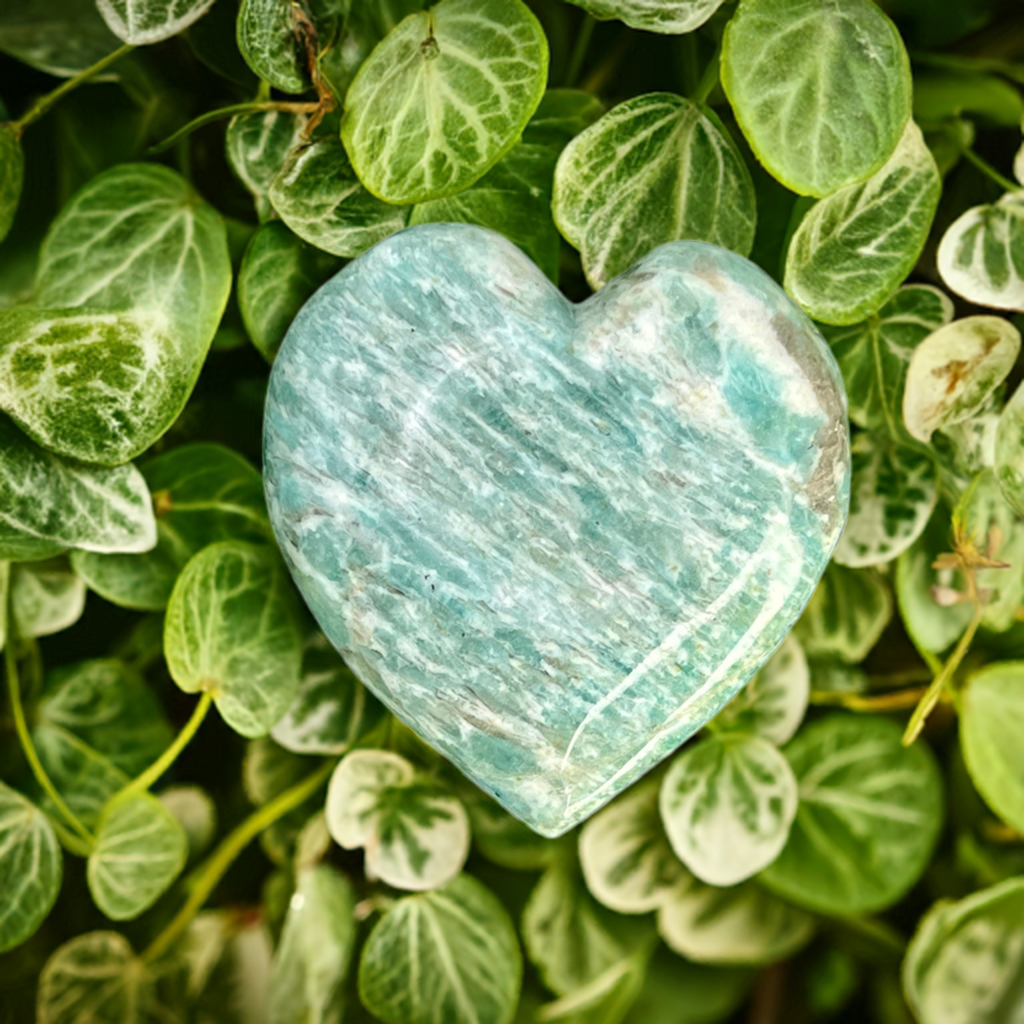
column 554, row 539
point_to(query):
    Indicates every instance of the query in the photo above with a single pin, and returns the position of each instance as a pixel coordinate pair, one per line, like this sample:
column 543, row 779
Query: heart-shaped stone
column 554, row 539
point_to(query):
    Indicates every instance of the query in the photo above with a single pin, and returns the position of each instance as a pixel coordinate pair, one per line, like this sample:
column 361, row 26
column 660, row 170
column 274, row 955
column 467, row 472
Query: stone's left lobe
column 555, row 540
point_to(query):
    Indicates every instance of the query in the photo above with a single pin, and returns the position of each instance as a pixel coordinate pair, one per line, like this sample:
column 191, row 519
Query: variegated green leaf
column 672, row 17
column 46, row 597
column 869, row 815
column 981, row 255
column 141, row 22
column 625, row 855
column 503, row 839
column 739, row 925
column 268, row 38
column 965, row 964
column 232, row 630
column 727, row 803
column 140, row 850
column 59, row 37
column 12, row 174
column 954, row 371
column 1009, row 453
column 654, row 169
column 257, row 147
column 31, row 868
column 450, row 955
column 794, row 69
column 773, row 703
column 48, row 504
column 605, row 999
column 854, row 249
column 893, row 493
column 443, row 97
column 195, row 812
column 846, row 615
column 318, row 195
column 414, row 831
column 563, row 933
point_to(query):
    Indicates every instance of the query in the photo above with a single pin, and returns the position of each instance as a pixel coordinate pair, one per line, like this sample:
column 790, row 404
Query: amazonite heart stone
column 554, row 539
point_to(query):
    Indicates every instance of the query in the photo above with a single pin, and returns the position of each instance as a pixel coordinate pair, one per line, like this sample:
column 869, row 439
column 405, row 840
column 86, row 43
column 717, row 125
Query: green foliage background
column 845, row 842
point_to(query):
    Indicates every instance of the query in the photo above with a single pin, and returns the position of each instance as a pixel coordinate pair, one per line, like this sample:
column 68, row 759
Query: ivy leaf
column 605, row 999
column 1009, row 463
column 654, row 169
column 671, row 17
column 140, row 850
column 991, row 718
column 954, row 371
column 563, row 933
column 59, row 37
column 31, row 868
column 846, row 615
column 195, row 811
column 318, row 196
column 443, row 97
column 204, row 493
column 892, row 496
column 279, row 273
column 48, row 505
column 966, row 960
column 331, row 710
column 981, row 255
column 449, row 954
column 727, row 803
column 415, row 833
column 257, row 146
column 141, row 22
column 46, row 597
column 104, row 364
column 232, row 630
column 854, row 249
column 739, row 925
column 625, row 855
column 12, row 174
column 822, row 91
column 268, row 39
column 313, row 956
column 869, row 815
column 97, row 977
column 772, row 705
column 874, row 355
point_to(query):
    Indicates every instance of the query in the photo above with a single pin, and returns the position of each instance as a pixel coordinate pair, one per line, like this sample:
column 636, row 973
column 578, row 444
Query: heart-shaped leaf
column 415, row 833
column 194, row 810
column 653, row 169
column 794, row 69
column 449, row 954
column 563, row 933
column 625, row 855
column 443, row 97
column 140, row 850
column 48, row 505
column 981, row 255
column 854, row 249
column 59, row 37
column 12, row 174
column 954, row 370
column 31, row 868
column 268, row 34
column 607, row 997
column 727, row 803
column 966, row 960
column 672, row 17
column 203, row 493
column 141, row 22
column 313, row 955
column 231, row 630
column 318, row 195
column 105, row 361
column 257, row 147
column 772, row 705
column 46, row 597
column 331, row 710
column 869, row 814
column 991, row 718
column 739, row 925
column 893, row 494
column 279, row 272
column 1009, row 464
column 874, row 355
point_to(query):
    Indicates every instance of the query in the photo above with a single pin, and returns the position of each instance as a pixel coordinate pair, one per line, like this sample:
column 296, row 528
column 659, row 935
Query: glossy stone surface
column 555, row 540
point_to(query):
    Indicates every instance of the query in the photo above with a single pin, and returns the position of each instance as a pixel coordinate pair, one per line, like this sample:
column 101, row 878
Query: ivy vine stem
column 987, row 169
column 148, row 778
column 897, row 700
column 708, row 80
column 251, row 107
column 206, row 878
column 579, row 50
column 44, row 103
column 25, row 739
